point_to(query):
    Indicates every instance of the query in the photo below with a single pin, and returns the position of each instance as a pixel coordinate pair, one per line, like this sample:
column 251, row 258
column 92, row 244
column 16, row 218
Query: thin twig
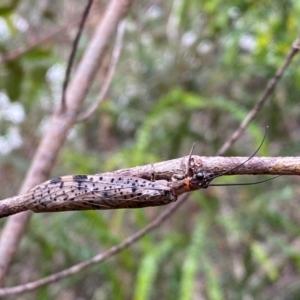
column 99, row 257
column 110, row 73
column 41, row 198
column 267, row 92
column 73, row 52
column 9, row 56
column 59, row 125
column 166, row 214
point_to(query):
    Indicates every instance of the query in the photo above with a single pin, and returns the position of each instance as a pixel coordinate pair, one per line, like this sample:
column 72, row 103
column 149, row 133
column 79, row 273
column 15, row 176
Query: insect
column 83, row 192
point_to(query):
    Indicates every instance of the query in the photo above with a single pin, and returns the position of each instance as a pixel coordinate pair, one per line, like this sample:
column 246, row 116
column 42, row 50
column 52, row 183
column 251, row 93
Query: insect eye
column 199, row 176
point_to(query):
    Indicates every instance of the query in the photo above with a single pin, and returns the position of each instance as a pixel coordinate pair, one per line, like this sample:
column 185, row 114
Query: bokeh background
column 189, row 71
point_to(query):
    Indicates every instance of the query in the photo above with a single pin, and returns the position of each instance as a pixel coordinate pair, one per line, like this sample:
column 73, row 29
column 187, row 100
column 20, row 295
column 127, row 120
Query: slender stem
column 99, row 257
column 73, row 52
column 266, row 94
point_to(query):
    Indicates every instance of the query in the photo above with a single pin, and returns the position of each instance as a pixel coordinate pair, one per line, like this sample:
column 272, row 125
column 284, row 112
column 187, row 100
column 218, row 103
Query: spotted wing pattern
column 83, row 192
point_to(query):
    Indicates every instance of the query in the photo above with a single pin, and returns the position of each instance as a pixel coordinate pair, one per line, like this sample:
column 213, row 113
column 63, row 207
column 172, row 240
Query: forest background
column 188, row 71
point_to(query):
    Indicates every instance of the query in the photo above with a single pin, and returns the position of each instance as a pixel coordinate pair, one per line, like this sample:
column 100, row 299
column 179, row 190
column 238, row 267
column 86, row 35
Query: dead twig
column 73, row 52
column 65, row 193
column 7, row 57
column 267, row 92
column 273, row 166
column 217, row 165
column 60, row 124
column 110, row 73
column 99, row 257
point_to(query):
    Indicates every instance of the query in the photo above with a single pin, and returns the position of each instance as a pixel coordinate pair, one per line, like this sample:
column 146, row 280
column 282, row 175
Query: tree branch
column 73, row 52
column 43, row 198
column 12, row 55
column 287, row 165
column 217, row 165
column 108, row 78
column 98, row 258
column 165, row 170
column 60, row 125
column 267, row 92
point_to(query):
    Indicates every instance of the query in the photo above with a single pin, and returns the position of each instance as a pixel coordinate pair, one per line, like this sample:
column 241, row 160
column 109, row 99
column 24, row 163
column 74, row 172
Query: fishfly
column 84, row 192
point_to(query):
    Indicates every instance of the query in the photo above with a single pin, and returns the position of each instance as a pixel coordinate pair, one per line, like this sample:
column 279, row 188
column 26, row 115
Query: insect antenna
column 244, row 162
column 207, row 178
column 248, row 183
column 188, row 164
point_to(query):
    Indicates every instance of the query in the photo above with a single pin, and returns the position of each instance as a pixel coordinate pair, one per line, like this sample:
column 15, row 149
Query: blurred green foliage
column 190, row 71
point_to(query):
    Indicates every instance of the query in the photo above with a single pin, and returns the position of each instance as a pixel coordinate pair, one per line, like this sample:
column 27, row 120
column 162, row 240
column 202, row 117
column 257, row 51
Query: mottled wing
column 84, row 192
